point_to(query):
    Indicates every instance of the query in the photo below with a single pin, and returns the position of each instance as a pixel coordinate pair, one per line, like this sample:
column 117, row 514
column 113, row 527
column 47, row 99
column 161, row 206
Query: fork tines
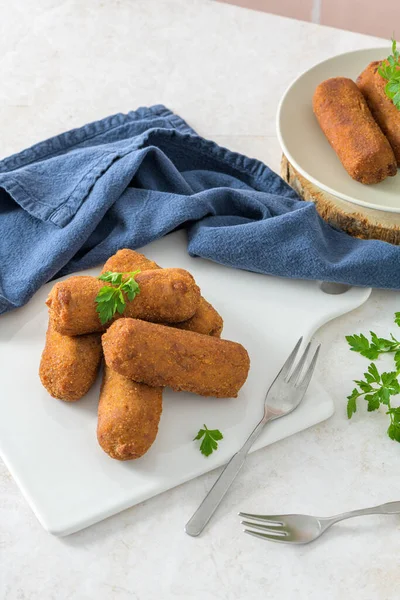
column 274, row 527
column 294, row 377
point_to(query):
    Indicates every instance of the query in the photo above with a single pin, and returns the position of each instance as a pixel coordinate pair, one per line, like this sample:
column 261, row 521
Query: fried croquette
column 183, row 360
column 128, row 416
column 69, row 365
column 372, row 85
column 351, row 130
column 126, row 260
column 129, row 412
column 206, row 319
column 166, row 295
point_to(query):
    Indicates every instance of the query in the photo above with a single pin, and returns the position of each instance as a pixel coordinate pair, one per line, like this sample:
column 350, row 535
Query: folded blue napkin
column 70, row 202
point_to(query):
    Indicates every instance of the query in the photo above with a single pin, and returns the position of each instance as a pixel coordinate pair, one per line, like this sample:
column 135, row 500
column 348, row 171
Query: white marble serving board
column 50, row 446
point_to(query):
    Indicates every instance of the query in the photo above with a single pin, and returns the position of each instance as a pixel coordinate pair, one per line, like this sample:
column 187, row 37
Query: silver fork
column 284, row 395
column 302, row 529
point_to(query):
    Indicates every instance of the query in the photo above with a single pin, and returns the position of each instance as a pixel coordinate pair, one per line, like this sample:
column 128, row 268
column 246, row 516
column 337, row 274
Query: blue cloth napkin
column 70, row 202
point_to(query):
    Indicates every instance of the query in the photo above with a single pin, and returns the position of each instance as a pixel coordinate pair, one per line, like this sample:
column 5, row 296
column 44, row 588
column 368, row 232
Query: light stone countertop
column 223, row 69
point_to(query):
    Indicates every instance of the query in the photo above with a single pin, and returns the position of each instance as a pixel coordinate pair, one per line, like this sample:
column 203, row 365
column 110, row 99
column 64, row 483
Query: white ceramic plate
column 50, row 446
column 307, row 148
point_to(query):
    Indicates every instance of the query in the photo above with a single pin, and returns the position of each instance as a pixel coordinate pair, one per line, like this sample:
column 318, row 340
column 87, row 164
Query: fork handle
column 390, row 508
column 210, row 503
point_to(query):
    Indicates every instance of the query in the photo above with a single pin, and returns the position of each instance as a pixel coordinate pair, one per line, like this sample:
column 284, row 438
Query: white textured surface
column 223, row 69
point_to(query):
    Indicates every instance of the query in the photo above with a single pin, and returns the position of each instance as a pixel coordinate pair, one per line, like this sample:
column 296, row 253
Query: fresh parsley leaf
column 111, row 299
column 394, row 51
column 200, row 434
column 377, row 388
column 394, row 431
column 105, row 294
column 109, row 276
column 359, row 343
column 390, row 70
column 372, row 349
column 119, row 301
column 363, row 385
column 384, row 395
column 388, row 378
column 395, row 414
column 211, row 437
column 352, row 403
column 373, row 371
column 131, row 288
column 105, row 304
column 382, row 344
column 373, row 401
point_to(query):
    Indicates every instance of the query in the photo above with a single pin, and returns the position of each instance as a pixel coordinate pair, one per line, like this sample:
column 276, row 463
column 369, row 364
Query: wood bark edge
column 364, row 223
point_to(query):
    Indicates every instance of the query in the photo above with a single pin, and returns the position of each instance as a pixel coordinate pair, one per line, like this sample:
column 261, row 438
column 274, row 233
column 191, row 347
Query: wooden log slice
column 358, row 221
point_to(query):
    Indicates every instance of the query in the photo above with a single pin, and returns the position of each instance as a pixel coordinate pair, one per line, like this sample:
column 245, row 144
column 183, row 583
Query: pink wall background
column 374, row 17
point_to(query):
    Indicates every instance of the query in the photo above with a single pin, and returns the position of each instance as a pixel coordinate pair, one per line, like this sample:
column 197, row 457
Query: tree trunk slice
column 358, row 221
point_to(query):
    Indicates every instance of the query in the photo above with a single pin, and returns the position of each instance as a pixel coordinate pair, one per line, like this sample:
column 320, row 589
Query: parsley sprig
column 390, row 70
column 211, row 437
column 373, row 348
column 111, row 298
column 377, row 388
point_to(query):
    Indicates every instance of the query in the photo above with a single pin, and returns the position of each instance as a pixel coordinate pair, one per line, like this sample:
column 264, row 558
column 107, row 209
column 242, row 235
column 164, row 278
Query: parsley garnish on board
column 111, row 298
column 390, row 70
column 211, row 437
column 376, row 388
